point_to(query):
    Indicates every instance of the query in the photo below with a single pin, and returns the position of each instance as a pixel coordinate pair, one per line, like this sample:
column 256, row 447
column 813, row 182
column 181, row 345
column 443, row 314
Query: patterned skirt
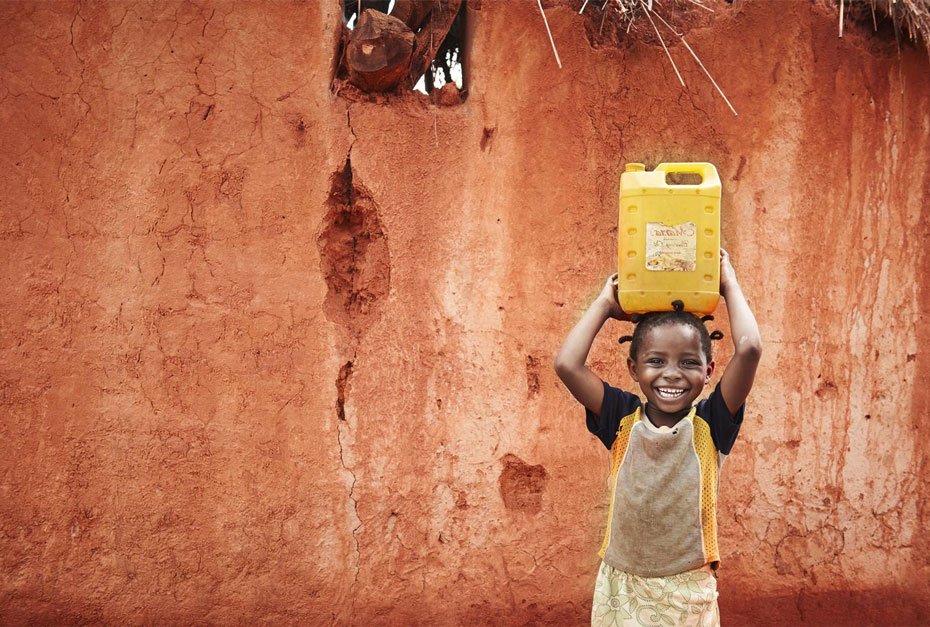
column 688, row 598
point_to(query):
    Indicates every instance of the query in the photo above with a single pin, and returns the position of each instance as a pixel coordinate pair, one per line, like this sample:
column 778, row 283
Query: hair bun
column 717, row 335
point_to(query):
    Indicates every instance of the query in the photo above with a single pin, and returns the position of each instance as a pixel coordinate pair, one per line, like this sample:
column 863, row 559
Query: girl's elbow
column 750, row 348
column 563, row 368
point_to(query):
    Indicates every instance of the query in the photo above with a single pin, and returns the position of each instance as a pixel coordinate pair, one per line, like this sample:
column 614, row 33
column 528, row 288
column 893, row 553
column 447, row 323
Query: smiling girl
column 659, row 555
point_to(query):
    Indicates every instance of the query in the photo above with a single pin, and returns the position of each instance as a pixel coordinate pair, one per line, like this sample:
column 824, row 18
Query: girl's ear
column 710, row 372
column 631, row 366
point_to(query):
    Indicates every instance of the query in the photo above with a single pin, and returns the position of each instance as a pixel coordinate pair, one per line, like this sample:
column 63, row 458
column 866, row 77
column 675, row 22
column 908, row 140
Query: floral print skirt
column 688, row 598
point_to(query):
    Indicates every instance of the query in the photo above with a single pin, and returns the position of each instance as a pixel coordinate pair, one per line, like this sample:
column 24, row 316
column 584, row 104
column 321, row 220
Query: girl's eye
column 690, row 363
column 654, row 362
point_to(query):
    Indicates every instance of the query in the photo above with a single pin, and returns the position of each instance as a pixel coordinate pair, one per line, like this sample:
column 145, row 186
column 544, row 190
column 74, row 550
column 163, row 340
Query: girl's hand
column 740, row 373
column 727, row 273
column 608, row 296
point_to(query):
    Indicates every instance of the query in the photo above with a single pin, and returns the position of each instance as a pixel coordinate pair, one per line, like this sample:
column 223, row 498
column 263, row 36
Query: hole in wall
column 486, row 136
column 446, row 67
column 342, row 383
column 390, row 45
column 522, row 485
column 350, row 9
column 533, row 367
column 354, row 256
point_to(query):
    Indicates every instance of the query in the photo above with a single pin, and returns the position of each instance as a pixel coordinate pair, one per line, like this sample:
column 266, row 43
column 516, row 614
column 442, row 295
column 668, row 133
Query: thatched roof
column 678, row 16
column 910, row 18
column 913, row 15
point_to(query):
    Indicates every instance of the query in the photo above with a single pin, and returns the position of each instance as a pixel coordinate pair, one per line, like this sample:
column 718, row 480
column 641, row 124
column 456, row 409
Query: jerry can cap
column 635, row 167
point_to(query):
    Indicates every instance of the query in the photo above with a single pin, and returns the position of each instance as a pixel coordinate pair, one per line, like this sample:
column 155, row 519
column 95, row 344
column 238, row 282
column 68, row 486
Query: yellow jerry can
column 669, row 238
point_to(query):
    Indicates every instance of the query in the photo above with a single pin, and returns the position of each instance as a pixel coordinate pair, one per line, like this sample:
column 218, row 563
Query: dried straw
column 693, row 54
column 914, row 15
column 723, row 95
column 842, row 7
column 706, row 8
column 551, row 41
column 662, row 41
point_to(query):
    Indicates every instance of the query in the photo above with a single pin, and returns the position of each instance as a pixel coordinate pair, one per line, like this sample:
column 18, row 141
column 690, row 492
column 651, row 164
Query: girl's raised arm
column 747, row 343
column 584, row 385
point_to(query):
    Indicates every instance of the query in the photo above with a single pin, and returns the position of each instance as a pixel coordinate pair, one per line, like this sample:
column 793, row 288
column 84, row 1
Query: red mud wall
column 244, row 381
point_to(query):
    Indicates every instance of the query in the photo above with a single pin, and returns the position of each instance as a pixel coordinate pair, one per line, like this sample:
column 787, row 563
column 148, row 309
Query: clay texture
column 277, row 352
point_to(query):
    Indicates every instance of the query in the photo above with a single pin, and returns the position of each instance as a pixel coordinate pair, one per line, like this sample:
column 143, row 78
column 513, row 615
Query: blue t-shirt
column 619, row 403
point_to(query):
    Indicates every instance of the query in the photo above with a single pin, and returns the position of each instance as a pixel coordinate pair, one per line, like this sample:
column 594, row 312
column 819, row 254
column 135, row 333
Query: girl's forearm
column 577, row 345
column 743, row 326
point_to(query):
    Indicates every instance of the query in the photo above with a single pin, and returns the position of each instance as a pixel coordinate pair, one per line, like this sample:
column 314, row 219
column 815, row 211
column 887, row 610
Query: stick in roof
column 546, row 22
column 693, row 54
column 662, row 41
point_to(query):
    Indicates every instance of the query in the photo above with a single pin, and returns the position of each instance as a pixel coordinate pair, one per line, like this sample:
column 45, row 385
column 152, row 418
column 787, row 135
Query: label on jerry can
column 671, row 247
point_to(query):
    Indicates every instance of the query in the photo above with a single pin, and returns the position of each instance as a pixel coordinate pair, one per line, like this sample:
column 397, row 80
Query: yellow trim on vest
column 707, row 459
column 617, row 453
column 707, row 456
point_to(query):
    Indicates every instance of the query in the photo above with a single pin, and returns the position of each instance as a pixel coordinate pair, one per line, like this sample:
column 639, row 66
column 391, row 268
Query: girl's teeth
column 671, row 392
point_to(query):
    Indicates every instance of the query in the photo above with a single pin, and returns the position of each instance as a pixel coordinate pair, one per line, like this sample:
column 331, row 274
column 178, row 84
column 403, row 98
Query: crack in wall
column 351, row 130
column 341, row 384
column 342, row 429
column 355, row 262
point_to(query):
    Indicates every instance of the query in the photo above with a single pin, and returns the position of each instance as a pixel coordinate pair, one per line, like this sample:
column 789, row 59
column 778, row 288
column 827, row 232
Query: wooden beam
column 431, row 36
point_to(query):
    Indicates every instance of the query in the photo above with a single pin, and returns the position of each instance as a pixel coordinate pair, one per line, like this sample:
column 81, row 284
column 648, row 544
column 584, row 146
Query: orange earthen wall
column 244, row 381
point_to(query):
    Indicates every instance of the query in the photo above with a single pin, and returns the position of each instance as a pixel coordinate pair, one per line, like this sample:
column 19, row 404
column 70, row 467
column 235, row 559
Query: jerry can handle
column 707, row 171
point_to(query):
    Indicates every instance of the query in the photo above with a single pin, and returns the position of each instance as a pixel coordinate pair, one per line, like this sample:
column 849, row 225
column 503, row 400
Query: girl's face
column 671, row 367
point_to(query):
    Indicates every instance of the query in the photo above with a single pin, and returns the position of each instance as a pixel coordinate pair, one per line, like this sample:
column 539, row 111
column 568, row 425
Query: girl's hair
column 648, row 321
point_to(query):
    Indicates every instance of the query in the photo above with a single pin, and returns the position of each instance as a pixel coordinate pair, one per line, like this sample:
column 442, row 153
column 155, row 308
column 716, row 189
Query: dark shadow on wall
column 883, row 606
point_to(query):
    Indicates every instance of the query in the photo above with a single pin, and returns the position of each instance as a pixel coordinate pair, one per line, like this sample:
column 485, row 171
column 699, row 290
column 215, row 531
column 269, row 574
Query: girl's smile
column 669, row 392
column 672, row 370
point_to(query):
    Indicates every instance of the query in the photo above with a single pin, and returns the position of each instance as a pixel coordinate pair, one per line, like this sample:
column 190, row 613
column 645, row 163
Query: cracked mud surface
column 239, row 385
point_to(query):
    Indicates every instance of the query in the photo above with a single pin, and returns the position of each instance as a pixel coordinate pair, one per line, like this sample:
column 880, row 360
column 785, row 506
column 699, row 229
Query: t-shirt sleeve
column 723, row 425
column 617, row 404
